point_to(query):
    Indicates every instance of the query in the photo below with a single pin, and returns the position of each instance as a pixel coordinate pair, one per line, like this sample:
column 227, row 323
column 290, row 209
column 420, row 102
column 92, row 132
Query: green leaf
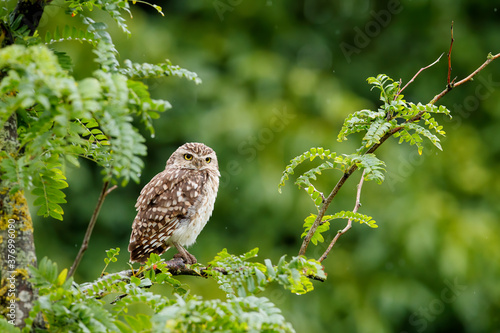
column 357, row 122
column 376, row 131
column 373, row 167
column 323, row 227
column 135, row 280
column 311, row 155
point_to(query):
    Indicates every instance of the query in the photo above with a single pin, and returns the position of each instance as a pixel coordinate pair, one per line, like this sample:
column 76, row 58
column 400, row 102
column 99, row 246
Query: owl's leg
column 185, row 255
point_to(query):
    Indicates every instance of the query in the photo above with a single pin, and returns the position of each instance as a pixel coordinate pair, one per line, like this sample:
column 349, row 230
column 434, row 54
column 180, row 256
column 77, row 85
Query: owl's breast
column 198, row 214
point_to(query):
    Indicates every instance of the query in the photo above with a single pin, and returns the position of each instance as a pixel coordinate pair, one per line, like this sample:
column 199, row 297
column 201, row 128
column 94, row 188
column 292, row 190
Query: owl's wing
column 163, row 203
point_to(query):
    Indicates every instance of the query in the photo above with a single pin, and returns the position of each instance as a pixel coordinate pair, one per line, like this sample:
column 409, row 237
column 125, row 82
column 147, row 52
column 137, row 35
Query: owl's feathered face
column 195, row 156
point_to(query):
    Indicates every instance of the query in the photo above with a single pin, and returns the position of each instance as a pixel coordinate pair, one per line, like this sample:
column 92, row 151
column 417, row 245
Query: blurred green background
column 279, row 78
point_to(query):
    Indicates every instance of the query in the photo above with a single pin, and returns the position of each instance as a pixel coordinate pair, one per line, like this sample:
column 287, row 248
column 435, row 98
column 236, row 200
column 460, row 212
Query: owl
column 176, row 204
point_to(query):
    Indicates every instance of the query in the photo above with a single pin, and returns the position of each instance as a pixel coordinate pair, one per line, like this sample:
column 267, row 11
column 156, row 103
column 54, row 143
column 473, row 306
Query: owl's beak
column 198, row 163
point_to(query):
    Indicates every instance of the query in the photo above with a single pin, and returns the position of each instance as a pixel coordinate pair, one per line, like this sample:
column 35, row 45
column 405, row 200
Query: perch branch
column 349, row 222
column 104, row 192
column 175, row 266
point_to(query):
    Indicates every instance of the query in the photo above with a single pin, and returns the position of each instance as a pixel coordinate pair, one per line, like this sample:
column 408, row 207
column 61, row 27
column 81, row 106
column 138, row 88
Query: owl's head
column 194, row 155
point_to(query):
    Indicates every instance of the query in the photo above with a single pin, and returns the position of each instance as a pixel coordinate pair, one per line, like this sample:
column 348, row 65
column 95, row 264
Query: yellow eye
column 188, row 157
column 208, row 159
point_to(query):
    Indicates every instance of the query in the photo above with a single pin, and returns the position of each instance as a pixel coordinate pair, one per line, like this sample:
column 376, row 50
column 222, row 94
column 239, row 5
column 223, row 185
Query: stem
column 349, row 222
column 324, row 207
column 93, row 220
column 449, row 55
column 415, row 76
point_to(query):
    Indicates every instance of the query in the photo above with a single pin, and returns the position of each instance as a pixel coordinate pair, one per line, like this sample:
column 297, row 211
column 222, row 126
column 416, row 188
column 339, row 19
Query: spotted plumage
column 176, row 204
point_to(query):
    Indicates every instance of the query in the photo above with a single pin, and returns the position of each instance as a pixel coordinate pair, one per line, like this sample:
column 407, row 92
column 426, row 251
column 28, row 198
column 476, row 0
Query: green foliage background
column 275, row 83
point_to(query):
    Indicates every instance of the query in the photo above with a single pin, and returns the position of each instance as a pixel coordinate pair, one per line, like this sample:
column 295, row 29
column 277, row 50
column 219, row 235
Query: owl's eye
column 208, row 159
column 188, row 157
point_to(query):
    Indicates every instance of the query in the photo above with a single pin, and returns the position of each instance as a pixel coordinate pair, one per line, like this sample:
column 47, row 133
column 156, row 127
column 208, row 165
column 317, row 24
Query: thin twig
column 449, row 55
column 93, row 220
column 468, row 78
column 349, row 222
column 111, row 189
column 415, row 76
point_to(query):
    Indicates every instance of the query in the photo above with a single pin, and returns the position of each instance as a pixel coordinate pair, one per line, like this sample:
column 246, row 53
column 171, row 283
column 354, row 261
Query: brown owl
column 175, row 205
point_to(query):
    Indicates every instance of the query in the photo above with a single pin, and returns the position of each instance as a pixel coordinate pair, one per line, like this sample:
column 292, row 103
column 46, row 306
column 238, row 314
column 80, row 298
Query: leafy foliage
column 69, row 306
column 373, row 167
column 249, row 278
column 325, row 223
column 311, row 155
column 113, row 7
column 147, row 71
column 62, row 119
column 69, row 33
column 395, row 117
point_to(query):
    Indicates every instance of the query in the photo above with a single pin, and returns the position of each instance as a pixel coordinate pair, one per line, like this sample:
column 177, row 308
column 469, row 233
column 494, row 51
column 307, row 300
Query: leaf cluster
column 103, row 305
column 244, row 277
column 325, row 223
column 395, row 116
column 62, row 119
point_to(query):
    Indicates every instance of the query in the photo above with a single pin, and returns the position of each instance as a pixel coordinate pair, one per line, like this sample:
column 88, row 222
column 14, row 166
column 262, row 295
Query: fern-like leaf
column 373, row 167
column 357, row 122
column 425, row 132
column 323, row 227
column 138, row 71
column 69, row 34
column 47, row 189
column 377, row 130
column 308, row 155
column 355, row 216
column 388, row 88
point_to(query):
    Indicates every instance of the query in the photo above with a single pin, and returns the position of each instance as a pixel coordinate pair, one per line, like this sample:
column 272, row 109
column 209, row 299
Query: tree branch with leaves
column 395, row 117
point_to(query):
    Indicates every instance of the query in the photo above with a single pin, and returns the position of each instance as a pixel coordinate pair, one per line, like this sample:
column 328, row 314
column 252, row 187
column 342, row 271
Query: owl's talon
column 188, row 258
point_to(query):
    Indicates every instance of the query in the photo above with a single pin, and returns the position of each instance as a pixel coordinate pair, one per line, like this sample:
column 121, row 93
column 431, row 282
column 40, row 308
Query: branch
column 452, row 84
column 175, row 266
column 353, row 168
column 449, row 56
column 85, row 244
column 324, row 207
column 415, row 76
column 349, row 222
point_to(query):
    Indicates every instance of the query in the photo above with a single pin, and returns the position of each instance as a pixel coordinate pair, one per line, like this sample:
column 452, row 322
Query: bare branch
column 449, row 55
column 104, row 192
column 415, row 76
column 452, row 85
column 349, row 222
